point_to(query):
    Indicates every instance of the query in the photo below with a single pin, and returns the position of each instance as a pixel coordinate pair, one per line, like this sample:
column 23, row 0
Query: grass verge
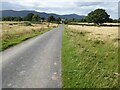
column 88, row 63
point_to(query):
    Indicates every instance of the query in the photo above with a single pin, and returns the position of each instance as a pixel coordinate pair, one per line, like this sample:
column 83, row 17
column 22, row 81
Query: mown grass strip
column 88, row 63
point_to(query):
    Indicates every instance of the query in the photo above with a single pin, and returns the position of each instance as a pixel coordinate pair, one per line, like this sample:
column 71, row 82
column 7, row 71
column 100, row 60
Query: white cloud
column 81, row 7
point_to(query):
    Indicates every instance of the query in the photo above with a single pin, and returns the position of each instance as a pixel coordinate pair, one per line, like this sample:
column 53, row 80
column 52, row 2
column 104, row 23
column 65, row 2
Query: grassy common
column 89, row 57
column 13, row 33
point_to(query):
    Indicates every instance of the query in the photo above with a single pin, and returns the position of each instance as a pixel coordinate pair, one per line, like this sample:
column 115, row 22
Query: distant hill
column 42, row 14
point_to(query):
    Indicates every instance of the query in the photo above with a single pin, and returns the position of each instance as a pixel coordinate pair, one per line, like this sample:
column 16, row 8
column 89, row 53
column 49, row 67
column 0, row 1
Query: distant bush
column 51, row 19
column 83, row 20
column 58, row 20
column 66, row 22
column 27, row 24
column 35, row 18
column 10, row 24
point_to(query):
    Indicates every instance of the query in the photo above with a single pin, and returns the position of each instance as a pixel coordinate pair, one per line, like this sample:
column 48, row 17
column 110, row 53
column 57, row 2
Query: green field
column 88, row 63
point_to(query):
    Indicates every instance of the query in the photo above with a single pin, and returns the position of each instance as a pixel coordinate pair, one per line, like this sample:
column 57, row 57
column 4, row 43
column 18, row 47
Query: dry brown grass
column 12, row 33
column 104, row 23
column 103, row 33
column 16, row 28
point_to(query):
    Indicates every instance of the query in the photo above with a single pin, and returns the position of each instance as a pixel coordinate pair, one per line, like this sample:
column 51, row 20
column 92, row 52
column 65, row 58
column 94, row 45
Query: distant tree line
column 29, row 17
column 33, row 18
column 98, row 17
column 12, row 18
column 110, row 20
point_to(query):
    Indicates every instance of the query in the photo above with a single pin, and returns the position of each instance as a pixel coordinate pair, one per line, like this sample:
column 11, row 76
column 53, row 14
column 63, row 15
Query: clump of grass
column 116, row 39
column 54, row 26
column 10, row 24
column 98, row 42
column 27, row 24
column 88, row 63
column 82, row 33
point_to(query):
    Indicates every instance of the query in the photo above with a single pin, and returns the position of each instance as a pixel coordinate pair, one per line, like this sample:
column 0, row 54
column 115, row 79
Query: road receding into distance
column 35, row 63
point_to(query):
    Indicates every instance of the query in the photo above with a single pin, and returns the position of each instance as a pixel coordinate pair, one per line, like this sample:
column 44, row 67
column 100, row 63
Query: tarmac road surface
column 35, row 63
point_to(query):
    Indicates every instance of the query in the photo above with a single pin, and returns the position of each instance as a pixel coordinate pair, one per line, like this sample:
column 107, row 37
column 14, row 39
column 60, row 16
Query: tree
column 58, row 20
column 7, row 18
column 17, row 19
column 99, row 16
column 73, row 19
column 29, row 17
column 110, row 20
column 35, row 17
column 115, row 21
column 83, row 20
column 42, row 19
column 50, row 19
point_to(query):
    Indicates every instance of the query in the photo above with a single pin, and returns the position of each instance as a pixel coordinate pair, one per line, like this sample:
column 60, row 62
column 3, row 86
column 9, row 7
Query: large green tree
column 99, row 16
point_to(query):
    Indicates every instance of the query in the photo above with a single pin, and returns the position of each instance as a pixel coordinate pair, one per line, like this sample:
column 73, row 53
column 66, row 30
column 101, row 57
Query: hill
column 42, row 14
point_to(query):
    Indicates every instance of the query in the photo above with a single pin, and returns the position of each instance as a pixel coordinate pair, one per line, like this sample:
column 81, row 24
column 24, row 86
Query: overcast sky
column 80, row 7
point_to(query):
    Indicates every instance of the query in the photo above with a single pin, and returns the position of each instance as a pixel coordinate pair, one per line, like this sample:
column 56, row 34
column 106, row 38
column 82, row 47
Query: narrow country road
column 35, row 63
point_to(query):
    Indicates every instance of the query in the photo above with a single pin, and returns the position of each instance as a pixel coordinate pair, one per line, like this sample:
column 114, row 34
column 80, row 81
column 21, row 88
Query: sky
column 80, row 7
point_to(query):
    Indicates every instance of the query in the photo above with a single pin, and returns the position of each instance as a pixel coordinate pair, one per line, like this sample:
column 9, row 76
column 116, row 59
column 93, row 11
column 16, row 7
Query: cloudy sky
column 80, row 7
